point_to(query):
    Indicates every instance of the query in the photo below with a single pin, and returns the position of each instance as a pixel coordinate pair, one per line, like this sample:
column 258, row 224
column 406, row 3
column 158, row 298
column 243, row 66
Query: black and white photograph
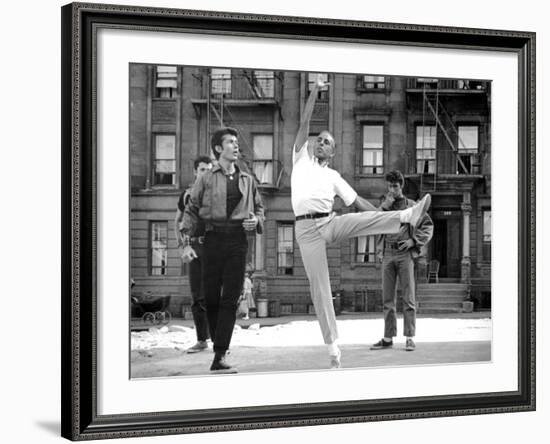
column 285, row 221
column 277, row 222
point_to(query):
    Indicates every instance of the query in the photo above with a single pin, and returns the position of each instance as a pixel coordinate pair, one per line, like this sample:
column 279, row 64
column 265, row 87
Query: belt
column 227, row 229
column 312, row 216
column 391, row 245
column 197, row 240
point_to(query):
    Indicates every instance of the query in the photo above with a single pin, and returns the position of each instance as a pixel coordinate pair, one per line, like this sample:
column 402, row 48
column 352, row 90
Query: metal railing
column 445, row 84
column 446, row 163
column 242, row 85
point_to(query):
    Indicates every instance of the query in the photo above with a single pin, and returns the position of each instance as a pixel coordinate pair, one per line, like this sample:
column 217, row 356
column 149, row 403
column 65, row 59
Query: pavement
column 137, row 324
column 294, row 343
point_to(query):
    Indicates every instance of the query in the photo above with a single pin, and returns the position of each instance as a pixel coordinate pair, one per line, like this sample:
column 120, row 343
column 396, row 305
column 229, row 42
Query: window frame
column 272, row 159
column 369, row 240
column 225, row 79
column 380, row 85
column 258, row 80
column 382, row 150
column 486, row 245
column 154, row 160
column 285, row 224
column 471, row 154
column 150, row 247
column 417, row 149
column 172, row 91
column 427, row 83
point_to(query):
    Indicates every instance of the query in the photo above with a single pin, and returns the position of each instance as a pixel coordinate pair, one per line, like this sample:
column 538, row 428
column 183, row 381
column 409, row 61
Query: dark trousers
column 198, row 307
column 396, row 263
column 223, row 274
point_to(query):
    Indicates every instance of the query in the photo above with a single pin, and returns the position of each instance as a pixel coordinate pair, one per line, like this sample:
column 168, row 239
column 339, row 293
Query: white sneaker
column 335, row 360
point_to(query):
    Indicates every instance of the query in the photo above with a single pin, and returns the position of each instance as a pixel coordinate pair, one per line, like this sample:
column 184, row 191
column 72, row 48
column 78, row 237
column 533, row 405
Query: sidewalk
column 138, row 324
column 294, row 343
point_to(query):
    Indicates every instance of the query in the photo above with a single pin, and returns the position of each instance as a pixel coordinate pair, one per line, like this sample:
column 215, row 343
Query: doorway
column 447, row 245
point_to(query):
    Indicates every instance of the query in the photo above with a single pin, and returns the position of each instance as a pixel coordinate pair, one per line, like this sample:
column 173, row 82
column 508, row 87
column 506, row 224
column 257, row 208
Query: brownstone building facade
column 436, row 131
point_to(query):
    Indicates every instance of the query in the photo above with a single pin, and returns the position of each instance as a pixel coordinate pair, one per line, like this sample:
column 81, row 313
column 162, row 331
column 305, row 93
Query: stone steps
column 443, row 297
column 439, row 310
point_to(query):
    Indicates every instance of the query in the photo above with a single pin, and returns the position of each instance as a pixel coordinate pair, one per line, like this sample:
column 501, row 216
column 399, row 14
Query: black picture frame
column 80, row 420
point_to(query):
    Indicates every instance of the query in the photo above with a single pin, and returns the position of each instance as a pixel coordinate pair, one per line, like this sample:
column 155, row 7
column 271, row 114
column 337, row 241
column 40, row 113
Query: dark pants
column 223, row 274
column 198, row 307
column 396, row 263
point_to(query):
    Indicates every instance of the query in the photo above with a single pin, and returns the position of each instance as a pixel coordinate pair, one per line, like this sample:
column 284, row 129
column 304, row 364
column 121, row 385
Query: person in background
column 246, row 302
column 397, row 253
column 201, row 165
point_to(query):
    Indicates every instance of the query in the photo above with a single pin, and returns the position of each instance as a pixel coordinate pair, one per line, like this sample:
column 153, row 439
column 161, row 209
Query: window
column 373, row 149
column 263, row 157
column 322, row 93
column 486, row 235
column 285, row 249
column 159, row 248
column 166, row 81
column 164, row 164
column 365, row 251
column 264, row 84
column 374, row 82
column 468, row 149
column 221, row 81
column 425, row 149
column 423, row 82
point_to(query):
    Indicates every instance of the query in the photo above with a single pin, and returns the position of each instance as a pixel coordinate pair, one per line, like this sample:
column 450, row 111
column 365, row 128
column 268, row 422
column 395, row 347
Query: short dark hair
column 217, row 138
column 395, row 176
column 201, row 159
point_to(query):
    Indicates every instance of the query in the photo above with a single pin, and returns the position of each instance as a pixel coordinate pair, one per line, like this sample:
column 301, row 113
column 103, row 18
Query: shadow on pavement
column 171, row 363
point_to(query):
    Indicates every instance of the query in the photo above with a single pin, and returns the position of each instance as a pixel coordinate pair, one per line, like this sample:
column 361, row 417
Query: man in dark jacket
column 201, row 165
column 228, row 202
column 397, row 253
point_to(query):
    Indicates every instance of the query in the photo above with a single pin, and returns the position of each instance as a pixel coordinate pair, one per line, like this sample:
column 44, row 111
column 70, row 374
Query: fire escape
column 225, row 94
column 447, row 165
column 441, row 167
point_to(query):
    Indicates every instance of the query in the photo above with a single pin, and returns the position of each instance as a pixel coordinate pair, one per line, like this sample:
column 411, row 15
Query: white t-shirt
column 313, row 186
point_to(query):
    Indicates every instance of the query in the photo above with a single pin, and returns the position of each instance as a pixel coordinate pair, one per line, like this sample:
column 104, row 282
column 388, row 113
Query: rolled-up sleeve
column 344, row 190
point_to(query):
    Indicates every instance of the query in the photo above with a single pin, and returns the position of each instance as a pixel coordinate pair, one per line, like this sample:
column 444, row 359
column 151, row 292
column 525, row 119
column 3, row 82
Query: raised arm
column 303, row 132
column 364, row 205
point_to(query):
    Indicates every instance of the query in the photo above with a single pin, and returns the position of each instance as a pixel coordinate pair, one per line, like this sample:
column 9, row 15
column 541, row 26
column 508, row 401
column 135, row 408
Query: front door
column 446, row 244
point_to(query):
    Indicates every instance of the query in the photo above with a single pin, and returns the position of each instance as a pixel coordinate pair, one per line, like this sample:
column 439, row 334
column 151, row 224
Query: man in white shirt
column 314, row 186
